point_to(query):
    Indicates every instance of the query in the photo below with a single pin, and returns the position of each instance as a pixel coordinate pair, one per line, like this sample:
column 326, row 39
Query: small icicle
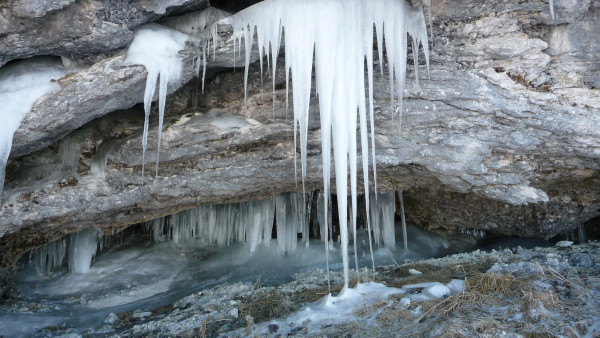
column 402, row 216
column 551, row 3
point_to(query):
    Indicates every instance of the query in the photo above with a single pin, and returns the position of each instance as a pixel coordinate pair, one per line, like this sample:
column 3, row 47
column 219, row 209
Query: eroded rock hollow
column 502, row 135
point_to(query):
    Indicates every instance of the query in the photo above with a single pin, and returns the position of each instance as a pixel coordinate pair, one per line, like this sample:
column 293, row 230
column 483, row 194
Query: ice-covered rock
column 436, row 291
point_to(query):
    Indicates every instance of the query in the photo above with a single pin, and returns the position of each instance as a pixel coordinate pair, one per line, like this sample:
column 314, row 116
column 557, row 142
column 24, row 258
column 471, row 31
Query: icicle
column 21, row 84
column 82, row 248
column 551, row 3
column 156, row 47
column 403, row 217
column 382, row 218
column 333, row 33
column 50, row 256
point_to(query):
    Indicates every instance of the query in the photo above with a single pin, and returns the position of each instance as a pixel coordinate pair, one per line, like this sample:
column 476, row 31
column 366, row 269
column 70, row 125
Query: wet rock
column 74, row 29
column 580, row 259
column 111, row 319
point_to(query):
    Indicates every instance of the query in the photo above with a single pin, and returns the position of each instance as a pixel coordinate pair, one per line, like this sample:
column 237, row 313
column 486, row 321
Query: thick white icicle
column 21, row 84
column 335, row 31
column 156, row 48
column 82, row 248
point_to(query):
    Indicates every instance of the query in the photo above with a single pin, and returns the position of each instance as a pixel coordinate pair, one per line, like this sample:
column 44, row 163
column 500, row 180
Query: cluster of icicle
column 78, row 248
column 247, row 222
column 252, row 222
column 337, row 35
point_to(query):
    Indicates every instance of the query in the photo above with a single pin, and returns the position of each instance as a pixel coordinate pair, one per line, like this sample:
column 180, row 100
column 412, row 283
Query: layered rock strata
column 502, row 136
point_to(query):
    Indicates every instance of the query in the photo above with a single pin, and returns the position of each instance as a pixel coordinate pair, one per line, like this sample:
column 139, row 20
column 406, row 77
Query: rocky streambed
column 552, row 291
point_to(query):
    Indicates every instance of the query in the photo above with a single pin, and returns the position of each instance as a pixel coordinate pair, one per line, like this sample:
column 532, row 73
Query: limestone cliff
column 504, row 136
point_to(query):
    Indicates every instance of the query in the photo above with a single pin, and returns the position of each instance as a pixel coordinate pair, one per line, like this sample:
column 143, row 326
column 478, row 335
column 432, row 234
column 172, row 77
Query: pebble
column 111, row 318
column 563, row 244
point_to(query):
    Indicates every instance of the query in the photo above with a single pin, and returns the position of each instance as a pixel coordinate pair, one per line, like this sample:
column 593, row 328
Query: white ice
column 196, row 22
column 329, row 310
column 79, row 247
column 21, row 84
column 156, row 48
column 382, row 212
column 338, row 36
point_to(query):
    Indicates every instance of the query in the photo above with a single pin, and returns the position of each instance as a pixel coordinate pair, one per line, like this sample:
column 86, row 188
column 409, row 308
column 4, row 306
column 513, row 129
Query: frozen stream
column 140, row 274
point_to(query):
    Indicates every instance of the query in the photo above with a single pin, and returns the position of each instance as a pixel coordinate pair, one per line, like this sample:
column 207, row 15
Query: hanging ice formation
column 339, row 34
column 21, row 84
column 403, row 218
column 247, row 222
column 80, row 248
column 382, row 218
column 551, row 8
column 156, row 48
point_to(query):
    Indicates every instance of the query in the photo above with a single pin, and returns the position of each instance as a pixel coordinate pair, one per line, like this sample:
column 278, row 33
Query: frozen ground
column 139, row 287
column 138, row 274
column 521, row 292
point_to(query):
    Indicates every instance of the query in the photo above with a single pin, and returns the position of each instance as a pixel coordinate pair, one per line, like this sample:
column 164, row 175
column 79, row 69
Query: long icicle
column 335, row 29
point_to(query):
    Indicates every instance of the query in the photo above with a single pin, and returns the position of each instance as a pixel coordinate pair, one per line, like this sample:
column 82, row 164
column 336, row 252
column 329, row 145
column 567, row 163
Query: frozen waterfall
column 338, row 37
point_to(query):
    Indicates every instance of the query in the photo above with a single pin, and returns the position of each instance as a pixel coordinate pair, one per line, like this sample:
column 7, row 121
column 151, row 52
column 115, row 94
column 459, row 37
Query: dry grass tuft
column 265, row 305
column 313, row 295
column 486, row 283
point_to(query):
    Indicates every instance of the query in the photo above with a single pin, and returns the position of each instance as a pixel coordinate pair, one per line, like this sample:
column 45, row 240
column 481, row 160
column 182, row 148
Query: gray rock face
column 503, row 137
column 74, row 29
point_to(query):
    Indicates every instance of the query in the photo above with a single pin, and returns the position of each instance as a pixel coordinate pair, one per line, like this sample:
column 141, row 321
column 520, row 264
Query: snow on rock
column 420, row 285
column 196, row 22
column 21, row 84
column 156, row 47
column 338, row 35
column 436, row 291
column 456, row 286
column 414, row 272
column 330, row 310
column 563, row 244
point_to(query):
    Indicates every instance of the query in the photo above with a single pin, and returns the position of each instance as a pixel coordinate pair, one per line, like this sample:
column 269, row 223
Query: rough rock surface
column 75, row 29
column 539, row 291
column 503, row 137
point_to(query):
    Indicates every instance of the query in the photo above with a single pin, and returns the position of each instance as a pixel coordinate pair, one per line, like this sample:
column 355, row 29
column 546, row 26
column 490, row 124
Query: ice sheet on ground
column 147, row 274
column 329, row 310
column 436, row 291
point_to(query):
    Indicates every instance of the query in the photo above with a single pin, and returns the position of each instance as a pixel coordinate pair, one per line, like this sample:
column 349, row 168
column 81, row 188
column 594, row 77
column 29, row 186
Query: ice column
column 49, row 256
column 82, row 248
